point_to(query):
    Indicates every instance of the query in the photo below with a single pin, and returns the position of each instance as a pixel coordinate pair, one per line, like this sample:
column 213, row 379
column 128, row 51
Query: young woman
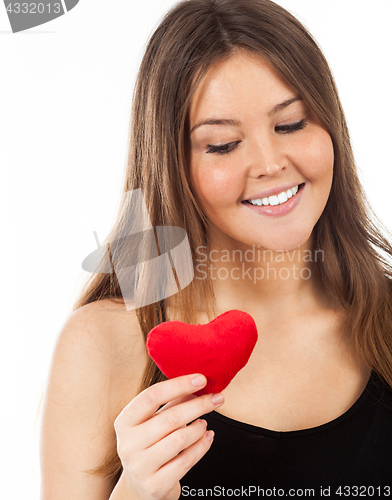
column 237, row 136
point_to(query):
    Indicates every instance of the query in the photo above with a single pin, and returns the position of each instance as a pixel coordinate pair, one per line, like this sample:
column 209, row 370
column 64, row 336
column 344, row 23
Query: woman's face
column 265, row 146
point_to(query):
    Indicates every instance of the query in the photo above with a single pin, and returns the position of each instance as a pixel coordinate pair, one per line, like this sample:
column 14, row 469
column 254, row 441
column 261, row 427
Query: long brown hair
column 193, row 35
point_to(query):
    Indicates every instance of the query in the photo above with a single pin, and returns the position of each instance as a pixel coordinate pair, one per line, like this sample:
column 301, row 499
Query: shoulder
column 104, row 323
column 103, row 335
column 100, row 354
column 96, row 369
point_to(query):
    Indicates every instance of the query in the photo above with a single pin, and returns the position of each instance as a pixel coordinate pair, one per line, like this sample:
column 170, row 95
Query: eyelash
column 286, row 129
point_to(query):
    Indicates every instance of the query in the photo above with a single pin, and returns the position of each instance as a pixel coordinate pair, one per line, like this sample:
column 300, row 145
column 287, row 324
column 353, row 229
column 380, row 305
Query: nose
column 266, row 157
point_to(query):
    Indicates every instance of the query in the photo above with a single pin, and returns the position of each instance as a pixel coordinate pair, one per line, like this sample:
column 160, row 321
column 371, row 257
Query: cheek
column 211, row 183
column 319, row 156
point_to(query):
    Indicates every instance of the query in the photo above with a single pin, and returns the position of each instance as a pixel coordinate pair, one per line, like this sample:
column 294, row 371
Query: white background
column 65, row 96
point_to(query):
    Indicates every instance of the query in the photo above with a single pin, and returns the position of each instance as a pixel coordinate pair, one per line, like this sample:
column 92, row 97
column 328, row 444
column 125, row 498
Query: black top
column 353, row 450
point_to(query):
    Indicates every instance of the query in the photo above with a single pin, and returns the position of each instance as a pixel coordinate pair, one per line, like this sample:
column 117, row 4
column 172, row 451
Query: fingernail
column 217, row 399
column 198, row 381
column 204, row 423
column 210, row 435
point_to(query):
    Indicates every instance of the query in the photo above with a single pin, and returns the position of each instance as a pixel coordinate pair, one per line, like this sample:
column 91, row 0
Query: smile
column 276, row 199
column 279, row 204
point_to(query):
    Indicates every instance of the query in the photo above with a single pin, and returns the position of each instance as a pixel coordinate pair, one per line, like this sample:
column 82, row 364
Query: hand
column 157, row 448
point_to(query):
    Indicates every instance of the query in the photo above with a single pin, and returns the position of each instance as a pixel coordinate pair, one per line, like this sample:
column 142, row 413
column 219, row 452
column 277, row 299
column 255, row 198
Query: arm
column 121, row 490
column 96, row 368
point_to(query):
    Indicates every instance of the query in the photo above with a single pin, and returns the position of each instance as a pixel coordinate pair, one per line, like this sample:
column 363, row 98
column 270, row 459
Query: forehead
column 244, row 79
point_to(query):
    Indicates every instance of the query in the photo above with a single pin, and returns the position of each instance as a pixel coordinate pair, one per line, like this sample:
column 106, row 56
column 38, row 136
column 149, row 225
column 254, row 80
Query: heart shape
column 219, row 349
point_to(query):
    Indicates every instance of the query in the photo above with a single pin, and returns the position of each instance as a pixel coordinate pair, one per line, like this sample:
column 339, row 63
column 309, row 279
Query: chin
column 287, row 243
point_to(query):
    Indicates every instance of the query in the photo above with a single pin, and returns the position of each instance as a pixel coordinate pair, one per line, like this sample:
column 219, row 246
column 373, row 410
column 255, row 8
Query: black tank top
column 350, row 456
column 353, row 450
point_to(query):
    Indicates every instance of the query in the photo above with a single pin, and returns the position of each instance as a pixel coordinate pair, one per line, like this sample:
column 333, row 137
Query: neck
column 274, row 284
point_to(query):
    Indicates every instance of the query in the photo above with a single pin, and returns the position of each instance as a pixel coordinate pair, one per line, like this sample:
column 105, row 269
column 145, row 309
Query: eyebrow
column 232, row 122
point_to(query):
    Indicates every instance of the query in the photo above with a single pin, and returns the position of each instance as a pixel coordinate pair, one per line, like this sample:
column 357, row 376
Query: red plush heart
column 218, row 349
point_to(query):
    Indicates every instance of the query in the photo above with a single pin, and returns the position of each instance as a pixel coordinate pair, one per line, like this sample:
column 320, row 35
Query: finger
column 168, row 448
column 172, row 419
column 182, row 463
column 175, row 402
column 145, row 404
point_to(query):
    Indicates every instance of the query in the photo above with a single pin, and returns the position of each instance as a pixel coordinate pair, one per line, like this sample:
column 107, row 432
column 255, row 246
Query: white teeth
column 275, row 199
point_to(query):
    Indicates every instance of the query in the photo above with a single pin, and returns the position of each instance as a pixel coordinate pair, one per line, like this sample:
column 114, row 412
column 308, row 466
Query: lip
column 272, row 191
column 277, row 210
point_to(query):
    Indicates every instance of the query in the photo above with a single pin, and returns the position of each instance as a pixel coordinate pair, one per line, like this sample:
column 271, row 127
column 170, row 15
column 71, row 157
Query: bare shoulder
column 110, row 339
column 109, row 321
column 96, row 370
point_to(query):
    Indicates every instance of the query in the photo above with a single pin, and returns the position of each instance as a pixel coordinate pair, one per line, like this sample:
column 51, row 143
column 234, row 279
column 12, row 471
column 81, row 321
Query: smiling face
column 262, row 147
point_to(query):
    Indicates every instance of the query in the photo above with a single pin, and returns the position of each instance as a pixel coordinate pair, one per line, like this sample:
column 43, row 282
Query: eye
column 227, row 148
column 288, row 129
column 224, row 149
